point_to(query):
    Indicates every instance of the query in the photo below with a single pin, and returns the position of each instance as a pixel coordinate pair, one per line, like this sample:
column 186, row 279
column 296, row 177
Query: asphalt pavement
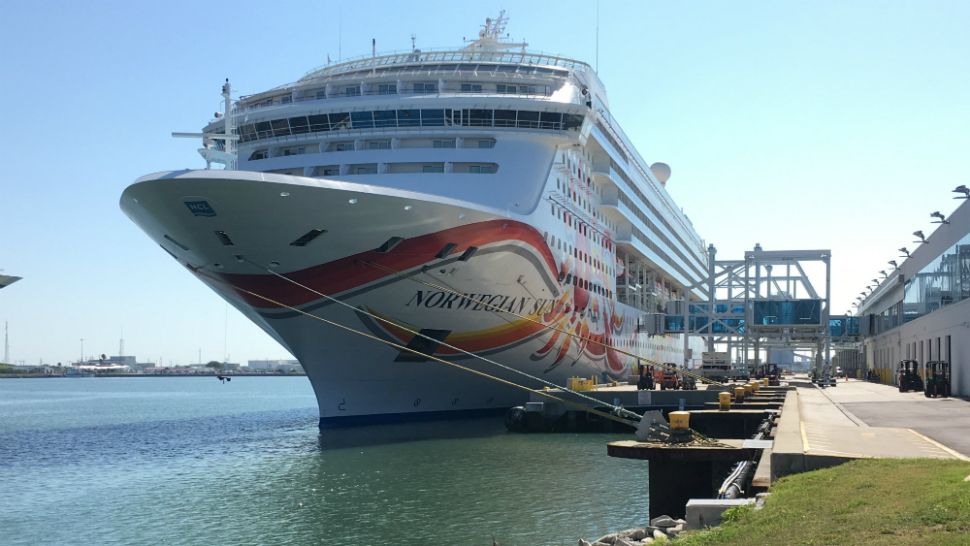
column 945, row 420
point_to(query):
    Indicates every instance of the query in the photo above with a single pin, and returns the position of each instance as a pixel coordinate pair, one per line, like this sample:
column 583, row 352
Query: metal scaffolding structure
column 765, row 301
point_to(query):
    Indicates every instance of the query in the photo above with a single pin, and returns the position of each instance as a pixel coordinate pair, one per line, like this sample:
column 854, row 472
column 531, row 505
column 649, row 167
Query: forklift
column 668, row 377
column 907, row 376
column 771, row 372
column 937, row 379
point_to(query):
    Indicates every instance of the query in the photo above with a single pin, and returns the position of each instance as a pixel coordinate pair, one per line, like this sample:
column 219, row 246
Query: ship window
column 425, row 87
column 319, row 123
column 432, row 118
column 445, row 251
column 299, row 125
column 258, row 154
column 444, row 143
column 433, row 168
column 387, row 89
column 263, row 129
column 383, row 144
column 486, row 143
column 572, row 121
column 475, row 168
column 471, row 88
column 390, row 244
column 327, row 170
column 340, row 120
column 505, row 118
column 341, row 146
column 408, row 118
column 321, row 93
column 352, row 91
column 550, row 120
column 529, row 120
column 280, row 127
column 294, row 150
column 385, row 118
column 467, row 254
column 307, row 237
column 362, row 120
column 369, row 168
column 453, row 117
column 479, row 118
column 224, row 238
column 505, row 88
column 286, row 99
column 248, row 132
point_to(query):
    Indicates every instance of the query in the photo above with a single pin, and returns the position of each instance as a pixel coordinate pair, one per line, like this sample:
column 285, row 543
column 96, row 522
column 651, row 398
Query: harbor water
column 190, row 460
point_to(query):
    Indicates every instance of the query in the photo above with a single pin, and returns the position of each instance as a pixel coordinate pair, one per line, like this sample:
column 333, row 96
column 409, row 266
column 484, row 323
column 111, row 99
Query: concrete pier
column 735, row 423
column 680, row 473
column 814, row 431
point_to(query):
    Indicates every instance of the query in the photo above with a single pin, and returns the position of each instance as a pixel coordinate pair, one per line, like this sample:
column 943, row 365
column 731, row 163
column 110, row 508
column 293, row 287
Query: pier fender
column 515, row 419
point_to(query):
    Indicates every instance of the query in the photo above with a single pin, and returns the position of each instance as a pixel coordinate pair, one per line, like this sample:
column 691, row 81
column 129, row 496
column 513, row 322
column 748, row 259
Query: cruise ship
column 465, row 204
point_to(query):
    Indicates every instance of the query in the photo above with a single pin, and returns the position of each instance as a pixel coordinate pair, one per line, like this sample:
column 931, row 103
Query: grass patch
column 869, row 502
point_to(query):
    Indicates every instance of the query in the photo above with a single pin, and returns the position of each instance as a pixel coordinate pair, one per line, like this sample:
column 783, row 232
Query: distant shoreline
column 104, row 375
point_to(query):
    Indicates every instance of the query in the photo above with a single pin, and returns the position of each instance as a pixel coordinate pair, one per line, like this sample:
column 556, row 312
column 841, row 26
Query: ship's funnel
column 661, row 171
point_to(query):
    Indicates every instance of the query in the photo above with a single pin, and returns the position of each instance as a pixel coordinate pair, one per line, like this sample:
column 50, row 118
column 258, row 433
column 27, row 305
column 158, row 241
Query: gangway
column 765, row 301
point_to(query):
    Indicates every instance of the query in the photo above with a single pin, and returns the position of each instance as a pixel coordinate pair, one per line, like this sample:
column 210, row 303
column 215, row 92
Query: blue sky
column 826, row 124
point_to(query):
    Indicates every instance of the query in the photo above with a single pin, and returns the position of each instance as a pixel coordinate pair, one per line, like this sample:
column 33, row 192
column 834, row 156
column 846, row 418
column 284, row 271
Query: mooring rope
column 578, row 337
column 617, row 409
column 400, row 347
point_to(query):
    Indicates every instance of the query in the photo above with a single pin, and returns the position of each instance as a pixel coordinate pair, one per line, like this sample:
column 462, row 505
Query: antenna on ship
column 491, row 34
column 227, row 155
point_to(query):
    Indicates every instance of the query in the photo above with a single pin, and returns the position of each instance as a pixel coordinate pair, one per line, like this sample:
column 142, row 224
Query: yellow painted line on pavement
column 955, row 454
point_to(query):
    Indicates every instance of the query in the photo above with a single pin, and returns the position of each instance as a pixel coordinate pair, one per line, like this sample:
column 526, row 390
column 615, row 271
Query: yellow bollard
column 679, row 420
column 755, row 385
column 738, row 395
column 764, row 382
column 748, row 388
column 724, row 399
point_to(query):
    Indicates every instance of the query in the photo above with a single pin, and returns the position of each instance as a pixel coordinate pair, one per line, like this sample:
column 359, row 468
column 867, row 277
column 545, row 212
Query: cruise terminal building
column 921, row 310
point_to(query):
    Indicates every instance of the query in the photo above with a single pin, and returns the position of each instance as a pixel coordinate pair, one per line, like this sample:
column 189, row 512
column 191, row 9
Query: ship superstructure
column 483, row 197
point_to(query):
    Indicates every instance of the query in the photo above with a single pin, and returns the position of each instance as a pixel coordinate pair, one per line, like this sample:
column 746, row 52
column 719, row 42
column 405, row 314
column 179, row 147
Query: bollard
column 724, row 399
column 738, row 395
column 755, row 385
column 679, row 420
column 748, row 388
column 764, row 382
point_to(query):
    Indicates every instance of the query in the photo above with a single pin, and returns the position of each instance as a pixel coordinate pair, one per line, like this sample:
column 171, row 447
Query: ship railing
column 540, row 94
column 346, row 127
column 390, row 132
column 449, row 55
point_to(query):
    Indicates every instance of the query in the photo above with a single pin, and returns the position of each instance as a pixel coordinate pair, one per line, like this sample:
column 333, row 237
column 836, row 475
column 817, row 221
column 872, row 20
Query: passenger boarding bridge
column 765, row 301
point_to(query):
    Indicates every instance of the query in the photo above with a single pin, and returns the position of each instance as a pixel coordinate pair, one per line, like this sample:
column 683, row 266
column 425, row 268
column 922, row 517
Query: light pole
column 82, row 352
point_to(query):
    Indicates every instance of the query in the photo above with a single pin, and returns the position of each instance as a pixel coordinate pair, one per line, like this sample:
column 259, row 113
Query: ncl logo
column 200, row 208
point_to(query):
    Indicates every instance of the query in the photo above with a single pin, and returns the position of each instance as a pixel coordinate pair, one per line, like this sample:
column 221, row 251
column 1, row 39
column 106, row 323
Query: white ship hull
column 232, row 228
